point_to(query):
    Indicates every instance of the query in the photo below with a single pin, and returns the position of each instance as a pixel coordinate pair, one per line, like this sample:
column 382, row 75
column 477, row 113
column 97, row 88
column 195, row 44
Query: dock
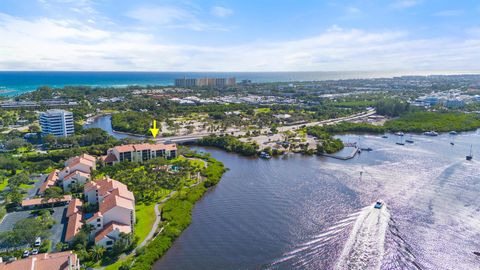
column 355, row 151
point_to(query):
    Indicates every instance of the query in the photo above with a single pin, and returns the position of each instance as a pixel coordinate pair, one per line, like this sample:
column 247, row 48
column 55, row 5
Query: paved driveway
column 38, row 182
column 58, row 230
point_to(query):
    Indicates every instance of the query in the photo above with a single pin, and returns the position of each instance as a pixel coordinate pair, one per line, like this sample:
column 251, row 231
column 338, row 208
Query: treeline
column 440, row 122
column 229, row 144
column 131, row 121
column 328, row 143
column 344, row 127
column 392, row 107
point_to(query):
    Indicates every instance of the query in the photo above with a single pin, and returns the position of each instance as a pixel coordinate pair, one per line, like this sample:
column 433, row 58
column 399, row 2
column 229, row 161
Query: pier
column 355, row 151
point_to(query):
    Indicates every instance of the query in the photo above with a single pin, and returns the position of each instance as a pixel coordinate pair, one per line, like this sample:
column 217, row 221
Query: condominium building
column 139, row 152
column 57, row 122
column 116, row 210
column 202, row 82
column 77, row 171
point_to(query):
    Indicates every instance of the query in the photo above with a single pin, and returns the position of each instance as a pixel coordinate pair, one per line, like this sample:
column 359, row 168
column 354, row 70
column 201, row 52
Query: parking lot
column 57, row 231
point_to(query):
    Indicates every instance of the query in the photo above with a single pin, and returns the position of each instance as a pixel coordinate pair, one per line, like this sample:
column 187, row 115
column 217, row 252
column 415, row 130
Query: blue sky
column 226, row 35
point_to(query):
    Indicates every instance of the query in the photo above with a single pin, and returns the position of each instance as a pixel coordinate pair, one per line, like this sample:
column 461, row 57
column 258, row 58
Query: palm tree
column 96, row 252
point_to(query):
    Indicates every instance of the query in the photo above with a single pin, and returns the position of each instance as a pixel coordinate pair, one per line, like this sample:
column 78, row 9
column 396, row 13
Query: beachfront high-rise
column 205, row 82
column 57, row 122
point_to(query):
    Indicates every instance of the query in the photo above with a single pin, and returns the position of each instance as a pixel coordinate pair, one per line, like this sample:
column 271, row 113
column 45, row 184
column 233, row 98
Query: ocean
column 14, row 83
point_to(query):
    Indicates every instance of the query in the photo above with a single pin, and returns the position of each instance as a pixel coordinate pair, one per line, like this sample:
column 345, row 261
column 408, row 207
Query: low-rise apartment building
column 116, row 210
column 76, row 172
column 139, row 152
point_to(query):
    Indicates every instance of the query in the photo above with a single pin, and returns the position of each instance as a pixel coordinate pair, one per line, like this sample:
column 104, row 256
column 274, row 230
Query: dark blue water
column 17, row 82
column 308, row 212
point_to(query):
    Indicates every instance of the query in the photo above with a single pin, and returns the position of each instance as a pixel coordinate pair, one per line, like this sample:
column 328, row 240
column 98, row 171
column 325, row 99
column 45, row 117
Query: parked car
column 34, row 251
column 25, row 254
column 38, row 241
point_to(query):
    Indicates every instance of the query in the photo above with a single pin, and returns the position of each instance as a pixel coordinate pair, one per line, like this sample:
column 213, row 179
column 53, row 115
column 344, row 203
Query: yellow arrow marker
column 154, row 130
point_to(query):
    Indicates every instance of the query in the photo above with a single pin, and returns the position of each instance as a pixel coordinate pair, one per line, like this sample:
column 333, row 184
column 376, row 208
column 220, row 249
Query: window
column 99, row 225
column 98, row 219
column 109, row 243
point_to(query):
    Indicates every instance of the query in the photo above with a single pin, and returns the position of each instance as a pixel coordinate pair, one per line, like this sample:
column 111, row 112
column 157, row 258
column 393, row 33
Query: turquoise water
column 17, row 82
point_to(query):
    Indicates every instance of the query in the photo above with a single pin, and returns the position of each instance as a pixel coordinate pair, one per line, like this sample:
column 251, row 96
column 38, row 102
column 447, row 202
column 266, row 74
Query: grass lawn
column 25, row 186
column 3, row 185
column 116, row 265
column 145, row 215
column 262, row 110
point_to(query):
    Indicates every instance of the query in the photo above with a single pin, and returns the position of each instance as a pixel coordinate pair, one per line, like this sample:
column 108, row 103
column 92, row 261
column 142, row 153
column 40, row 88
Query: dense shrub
column 229, row 144
column 441, row 122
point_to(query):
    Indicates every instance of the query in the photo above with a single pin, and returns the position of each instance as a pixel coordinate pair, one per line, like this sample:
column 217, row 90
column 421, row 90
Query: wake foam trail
column 398, row 253
column 364, row 248
column 317, row 247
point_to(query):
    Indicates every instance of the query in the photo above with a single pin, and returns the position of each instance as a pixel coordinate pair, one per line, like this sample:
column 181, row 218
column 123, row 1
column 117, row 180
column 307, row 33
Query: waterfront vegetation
column 230, row 144
column 345, row 127
column 176, row 216
column 328, row 144
column 437, row 121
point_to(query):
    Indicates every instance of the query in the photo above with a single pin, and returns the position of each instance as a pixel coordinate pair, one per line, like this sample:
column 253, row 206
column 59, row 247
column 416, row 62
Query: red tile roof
column 38, row 201
column 124, row 148
column 88, row 157
column 51, row 180
column 44, row 261
column 74, row 207
column 112, row 201
column 145, row 146
column 94, row 217
column 110, row 157
column 110, row 227
column 73, row 226
column 108, row 185
column 77, row 172
column 80, row 161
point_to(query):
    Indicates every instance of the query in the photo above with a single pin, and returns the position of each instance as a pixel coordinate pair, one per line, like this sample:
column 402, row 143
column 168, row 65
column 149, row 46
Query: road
column 194, row 137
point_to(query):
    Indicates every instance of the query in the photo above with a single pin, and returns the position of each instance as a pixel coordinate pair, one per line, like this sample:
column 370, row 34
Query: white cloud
column 46, row 44
column 221, row 11
column 168, row 17
column 406, row 3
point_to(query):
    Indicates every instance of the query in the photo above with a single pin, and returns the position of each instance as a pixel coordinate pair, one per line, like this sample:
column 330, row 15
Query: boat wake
column 373, row 242
column 364, row 248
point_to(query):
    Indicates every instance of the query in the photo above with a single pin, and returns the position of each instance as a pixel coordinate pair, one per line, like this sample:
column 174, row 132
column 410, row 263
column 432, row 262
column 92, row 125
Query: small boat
column 430, row 133
column 385, row 136
column 476, row 253
column 453, row 132
column 470, row 156
column 409, row 140
column 400, row 142
column 452, row 143
column 400, row 134
column 265, row 155
column 378, row 204
column 368, row 149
